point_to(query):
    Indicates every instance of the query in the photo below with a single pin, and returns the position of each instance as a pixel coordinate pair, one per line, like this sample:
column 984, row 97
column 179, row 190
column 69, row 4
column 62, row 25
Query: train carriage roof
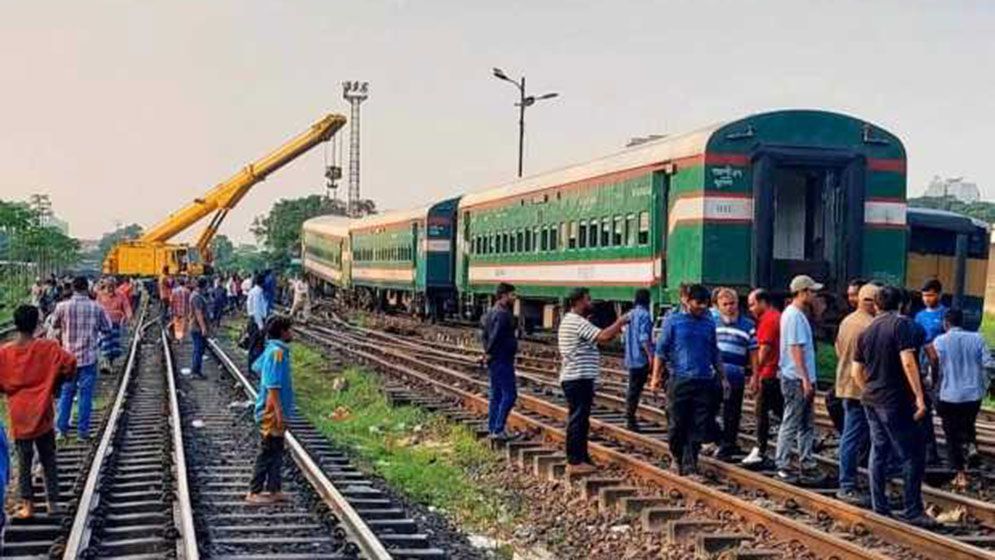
column 390, row 217
column 337, row 226
column 665, row 149
column 944, row 219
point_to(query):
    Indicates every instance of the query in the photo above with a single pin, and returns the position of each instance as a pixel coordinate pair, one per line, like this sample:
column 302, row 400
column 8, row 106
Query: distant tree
column 223, row 251
column 280, row 230
column 112, row 238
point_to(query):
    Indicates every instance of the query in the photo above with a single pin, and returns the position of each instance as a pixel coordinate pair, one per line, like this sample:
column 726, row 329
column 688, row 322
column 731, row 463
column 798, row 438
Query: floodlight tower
column 355, row 93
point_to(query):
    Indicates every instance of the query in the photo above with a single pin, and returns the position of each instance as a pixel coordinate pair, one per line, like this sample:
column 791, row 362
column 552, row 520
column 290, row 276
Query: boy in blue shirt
column 274, row 405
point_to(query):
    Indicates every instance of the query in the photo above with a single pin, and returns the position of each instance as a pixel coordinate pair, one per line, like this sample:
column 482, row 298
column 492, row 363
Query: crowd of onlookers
column 894, row 369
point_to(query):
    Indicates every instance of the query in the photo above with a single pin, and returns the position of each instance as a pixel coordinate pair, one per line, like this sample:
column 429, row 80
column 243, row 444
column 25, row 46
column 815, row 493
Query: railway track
column 46, row 534
column 824, row 524
column 379, row 524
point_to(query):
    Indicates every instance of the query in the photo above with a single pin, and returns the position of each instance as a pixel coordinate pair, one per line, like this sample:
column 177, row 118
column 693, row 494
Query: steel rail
column 187, row 548
column 984, row 511
column 79, row 534
column 894, row 531
column 355, row 527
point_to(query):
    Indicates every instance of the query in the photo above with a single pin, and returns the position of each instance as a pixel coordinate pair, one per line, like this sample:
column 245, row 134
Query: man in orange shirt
column 31, row 370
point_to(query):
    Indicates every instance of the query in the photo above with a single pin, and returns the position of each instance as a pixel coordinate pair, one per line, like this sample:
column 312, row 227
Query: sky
column 125, row 111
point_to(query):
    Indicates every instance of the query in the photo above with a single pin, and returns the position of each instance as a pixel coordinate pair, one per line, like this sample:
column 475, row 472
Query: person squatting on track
column 81, row 321
column 737, row 341
column 885, row 367
column 500, row 347
column 274, row 406
column 855, row 438
column 198, row 325
column 764, row 384
column 687, row 352
column 960, row 357
column 638, row 338
column 798, row 376
column 578, row 341
column 31, row 370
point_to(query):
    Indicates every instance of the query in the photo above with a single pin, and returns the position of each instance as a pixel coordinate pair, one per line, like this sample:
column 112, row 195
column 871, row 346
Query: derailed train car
column 750, row 202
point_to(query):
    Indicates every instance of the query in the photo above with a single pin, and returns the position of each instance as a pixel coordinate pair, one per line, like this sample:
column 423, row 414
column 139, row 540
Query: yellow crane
column 151, row 254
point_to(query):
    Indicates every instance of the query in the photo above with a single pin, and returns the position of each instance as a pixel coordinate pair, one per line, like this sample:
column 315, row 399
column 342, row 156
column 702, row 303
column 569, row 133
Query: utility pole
column 523, row 102
column 355, row 93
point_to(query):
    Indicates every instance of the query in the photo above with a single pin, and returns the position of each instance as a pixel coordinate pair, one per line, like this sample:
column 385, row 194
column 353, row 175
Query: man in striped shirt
column 580, row 366
column 81, row 321
column 737, row 340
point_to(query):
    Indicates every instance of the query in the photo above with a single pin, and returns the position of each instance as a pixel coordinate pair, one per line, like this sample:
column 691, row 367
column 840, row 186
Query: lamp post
column 523, row 102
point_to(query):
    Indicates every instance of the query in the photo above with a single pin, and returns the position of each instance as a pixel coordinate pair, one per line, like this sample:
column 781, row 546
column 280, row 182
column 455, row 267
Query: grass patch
column 422, row 455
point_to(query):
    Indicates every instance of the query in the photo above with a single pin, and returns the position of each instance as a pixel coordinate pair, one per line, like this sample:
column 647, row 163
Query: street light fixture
column 523, row 102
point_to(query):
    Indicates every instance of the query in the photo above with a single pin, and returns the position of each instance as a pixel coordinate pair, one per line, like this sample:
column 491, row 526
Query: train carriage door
column 661, row 191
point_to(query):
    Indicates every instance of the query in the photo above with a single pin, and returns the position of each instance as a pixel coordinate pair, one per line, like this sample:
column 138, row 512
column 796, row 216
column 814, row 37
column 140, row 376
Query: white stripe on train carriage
column 326, row 271
column 629, row 272
column 712, row 208
column 880, row 212
column 439, row 245
column 390, row 274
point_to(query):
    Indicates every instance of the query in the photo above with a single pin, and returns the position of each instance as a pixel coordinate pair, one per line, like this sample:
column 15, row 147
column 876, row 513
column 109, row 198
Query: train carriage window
column 592, row 233
column 572, row 235
column 617, row 231
column 528, row 240
column 553, row 238
column 504, row 243
column 644, row 228
column 582, row 234
column 544, row 243
column 519, row 241
column 605, row 232
column 630, row 230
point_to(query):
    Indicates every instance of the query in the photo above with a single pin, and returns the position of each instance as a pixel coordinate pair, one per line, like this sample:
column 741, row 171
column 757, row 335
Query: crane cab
column 143, row 259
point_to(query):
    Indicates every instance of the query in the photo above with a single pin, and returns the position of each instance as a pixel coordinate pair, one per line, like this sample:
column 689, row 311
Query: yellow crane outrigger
column 151, row 254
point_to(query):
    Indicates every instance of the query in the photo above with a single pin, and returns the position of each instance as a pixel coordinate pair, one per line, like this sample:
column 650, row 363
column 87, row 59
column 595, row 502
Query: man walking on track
column 764, row 384
column 198, row 325
column 118, row 308
column 30, row 372
column 855, row 438
column 961, row 357
column 737, row 342
column 688, row 350
column 638, row 339
column 179, row 307
column 798, row 377
column 500, row 347
column 580, row 367
column 258, row 309
column 274, row 407
column 81, row 322
column 301, row 306
column 885, row 367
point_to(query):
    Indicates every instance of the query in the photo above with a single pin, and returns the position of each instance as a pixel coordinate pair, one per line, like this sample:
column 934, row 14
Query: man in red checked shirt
column 764, row 385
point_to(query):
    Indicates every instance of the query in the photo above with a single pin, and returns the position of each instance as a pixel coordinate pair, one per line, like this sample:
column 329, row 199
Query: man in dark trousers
column 638, row 339
column 886, row 368
column 500, row 347
column 688, row 350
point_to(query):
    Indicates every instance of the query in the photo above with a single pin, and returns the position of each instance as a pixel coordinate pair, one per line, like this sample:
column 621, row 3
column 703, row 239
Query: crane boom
column 227, row 193
column 151, row 253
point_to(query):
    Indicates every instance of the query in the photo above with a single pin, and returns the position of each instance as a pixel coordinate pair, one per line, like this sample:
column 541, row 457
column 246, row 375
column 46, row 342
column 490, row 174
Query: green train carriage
column 326, row 255
column 830, row 189
column 405, row 259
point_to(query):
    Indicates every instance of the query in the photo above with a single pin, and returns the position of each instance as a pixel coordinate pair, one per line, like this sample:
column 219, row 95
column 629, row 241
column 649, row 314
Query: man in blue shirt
column 257, row 309
column 960, row 356
column 500, row 347
column 638, row 339
column 274, row 407
column 929, row 321
column 687, row 349
column 737, row 341
column 797, row 378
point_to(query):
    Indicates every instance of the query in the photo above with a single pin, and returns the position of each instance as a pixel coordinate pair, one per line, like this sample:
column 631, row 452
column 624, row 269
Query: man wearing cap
column 797, row 349
column 855, row 438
